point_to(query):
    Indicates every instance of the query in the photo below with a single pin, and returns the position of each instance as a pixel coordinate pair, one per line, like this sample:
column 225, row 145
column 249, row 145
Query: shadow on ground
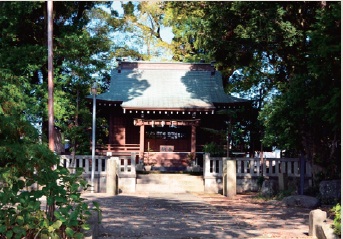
column 184, row 215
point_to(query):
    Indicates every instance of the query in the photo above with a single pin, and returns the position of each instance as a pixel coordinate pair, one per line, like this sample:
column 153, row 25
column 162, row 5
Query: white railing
column 85, row 162
column 125, row 164
column 271, row 167
column 213, row 166
column 125, row 169
column 251, row 167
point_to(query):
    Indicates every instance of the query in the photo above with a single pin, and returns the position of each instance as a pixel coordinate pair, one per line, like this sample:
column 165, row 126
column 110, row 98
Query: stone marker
column 111, row 181
column 229, row 186
column 317, row 217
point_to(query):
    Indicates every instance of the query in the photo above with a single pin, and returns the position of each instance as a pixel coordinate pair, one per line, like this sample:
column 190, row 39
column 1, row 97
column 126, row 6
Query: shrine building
column 159, row 110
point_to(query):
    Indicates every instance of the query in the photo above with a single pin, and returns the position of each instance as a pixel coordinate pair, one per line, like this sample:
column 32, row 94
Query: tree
column 81, row 49
column 188, row 22
column 142, row 30
column 274, row 52
column 313, row 98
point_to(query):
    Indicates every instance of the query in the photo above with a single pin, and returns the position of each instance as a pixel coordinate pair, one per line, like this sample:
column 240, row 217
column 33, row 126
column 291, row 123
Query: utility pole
column 94, row 92
column 50, row 78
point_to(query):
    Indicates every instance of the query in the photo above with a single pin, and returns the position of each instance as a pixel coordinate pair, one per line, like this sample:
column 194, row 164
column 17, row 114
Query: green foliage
column 214, row 150
column 142, row 26
column 188, row 22
column 38, row 198
column 82, row 49
column 288, row 57
column 337, row 220
column 277, row 196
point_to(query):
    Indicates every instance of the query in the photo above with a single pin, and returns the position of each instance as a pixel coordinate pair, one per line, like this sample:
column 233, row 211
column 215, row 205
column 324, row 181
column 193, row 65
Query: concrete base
column 99, row 182
column 127, row 183
column 169, row 183
column 247, row 184
column 213, row 184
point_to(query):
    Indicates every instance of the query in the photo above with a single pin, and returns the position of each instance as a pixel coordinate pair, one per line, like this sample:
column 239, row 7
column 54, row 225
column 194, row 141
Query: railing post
column 251, row 167
column 258, row 167
column 220, row 162
column 264, row 167
column 133, row 162
column 100, row 165
column 283, row 167
column 289, row 168
column 239, row 167
column 302, row 174
column 207, row 164
column 296, row 169
column 245, row 166
column 87, row 165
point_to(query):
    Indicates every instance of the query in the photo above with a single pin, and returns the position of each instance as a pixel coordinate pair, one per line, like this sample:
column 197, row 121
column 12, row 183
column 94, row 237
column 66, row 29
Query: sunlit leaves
column 291, row 50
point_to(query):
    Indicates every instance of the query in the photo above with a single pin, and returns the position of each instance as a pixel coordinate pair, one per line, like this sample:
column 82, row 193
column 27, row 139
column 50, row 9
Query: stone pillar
column 230, row 189
column 317, row 217
column 111, row 176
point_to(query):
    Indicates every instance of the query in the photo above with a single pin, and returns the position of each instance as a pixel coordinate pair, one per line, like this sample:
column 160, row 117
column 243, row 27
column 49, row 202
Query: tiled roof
column 166, row 86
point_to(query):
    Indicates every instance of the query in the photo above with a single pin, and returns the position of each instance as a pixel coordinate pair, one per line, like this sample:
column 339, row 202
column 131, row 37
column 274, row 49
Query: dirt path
column 197, row 216
column 270, row 218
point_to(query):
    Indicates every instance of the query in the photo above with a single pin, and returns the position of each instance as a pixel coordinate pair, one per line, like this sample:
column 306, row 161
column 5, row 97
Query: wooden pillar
column 141, row 140
column 193, row 140
column 111, row 129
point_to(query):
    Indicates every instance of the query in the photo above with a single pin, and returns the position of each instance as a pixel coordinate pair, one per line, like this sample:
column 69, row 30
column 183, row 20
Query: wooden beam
column 162, row 122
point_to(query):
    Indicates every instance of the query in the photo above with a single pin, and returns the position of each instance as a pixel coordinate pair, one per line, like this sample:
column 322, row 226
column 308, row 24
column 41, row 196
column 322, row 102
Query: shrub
column 214, row 150
column 337, row 220
column 29, row 172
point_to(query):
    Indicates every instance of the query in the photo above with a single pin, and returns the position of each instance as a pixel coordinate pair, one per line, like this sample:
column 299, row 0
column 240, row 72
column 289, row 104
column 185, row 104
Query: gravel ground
column 197, row 216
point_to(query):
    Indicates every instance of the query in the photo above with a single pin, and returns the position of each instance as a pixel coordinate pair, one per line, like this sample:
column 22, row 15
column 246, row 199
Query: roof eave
column 197, row 109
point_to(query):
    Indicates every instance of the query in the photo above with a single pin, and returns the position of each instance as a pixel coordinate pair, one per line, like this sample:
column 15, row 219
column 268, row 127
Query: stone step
column 159, row 188
column 176, row 183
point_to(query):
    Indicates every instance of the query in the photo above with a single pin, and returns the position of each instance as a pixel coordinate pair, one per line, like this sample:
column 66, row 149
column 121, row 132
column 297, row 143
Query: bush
column 214, row 150
column 337, row 220
column 29, row 171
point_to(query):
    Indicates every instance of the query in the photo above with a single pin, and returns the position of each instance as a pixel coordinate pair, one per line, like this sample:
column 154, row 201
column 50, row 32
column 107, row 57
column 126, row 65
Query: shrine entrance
column 167, row 144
